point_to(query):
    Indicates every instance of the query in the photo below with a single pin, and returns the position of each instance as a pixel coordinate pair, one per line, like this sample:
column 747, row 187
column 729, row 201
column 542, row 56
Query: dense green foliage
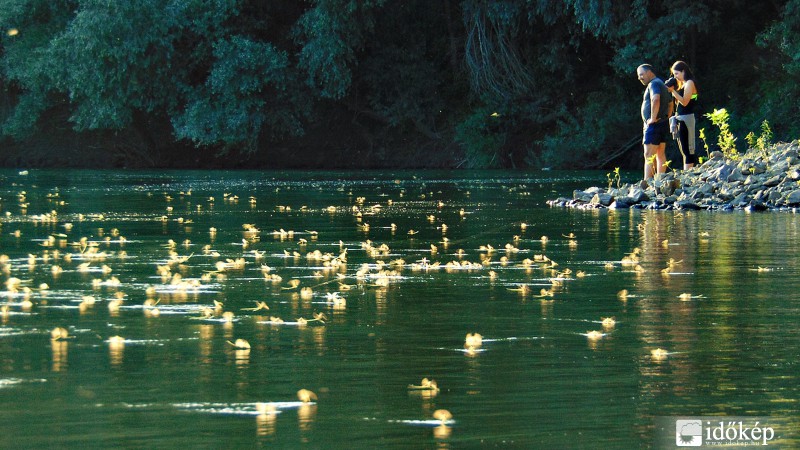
column 471, row 83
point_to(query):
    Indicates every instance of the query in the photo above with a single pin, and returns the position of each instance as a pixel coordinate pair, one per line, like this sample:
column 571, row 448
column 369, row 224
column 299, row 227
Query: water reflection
column 60, row 351
column 242, row 357
column 306, row 413
column 265, row 423
column 442, row 432
column 116, row 347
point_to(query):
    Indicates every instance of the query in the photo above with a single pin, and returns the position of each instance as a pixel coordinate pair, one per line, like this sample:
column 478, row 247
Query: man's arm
column 655, row 104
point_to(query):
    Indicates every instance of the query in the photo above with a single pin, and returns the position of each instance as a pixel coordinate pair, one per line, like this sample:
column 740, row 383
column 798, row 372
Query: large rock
column 602, row 199
column 706, row 189
column 741, row 200
column 793, row 198
column 582, row 196
column 725, row 196
column 721, row 173
column 781, row 165
column 686, row 205
column 735, row 175
column 755, row 206
column 622, row 203
column 774, row 180
column 638, row 195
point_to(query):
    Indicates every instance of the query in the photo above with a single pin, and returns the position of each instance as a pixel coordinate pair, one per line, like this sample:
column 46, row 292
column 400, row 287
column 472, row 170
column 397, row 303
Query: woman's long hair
column 687, row 71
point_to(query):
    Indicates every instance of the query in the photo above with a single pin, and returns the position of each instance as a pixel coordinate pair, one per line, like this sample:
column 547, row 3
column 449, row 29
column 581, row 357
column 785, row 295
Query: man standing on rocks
column 656, row 109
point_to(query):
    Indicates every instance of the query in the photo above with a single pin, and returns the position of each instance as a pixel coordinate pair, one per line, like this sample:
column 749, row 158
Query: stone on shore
column 602, row 199
column 755, row 181
column 793, row 198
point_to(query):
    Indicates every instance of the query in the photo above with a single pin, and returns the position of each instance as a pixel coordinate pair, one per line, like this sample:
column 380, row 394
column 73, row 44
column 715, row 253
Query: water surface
column 370, row 252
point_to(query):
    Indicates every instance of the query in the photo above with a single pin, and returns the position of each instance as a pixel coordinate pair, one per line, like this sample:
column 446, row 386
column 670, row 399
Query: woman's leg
column 683, row 145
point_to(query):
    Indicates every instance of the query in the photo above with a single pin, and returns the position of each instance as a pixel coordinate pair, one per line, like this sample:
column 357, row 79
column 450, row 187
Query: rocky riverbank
column 758, row 180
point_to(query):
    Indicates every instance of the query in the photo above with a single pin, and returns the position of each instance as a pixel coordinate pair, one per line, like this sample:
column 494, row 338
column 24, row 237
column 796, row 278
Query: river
column 372, row 282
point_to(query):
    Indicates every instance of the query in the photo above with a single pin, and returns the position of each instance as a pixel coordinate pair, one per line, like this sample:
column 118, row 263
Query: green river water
column 127, row 263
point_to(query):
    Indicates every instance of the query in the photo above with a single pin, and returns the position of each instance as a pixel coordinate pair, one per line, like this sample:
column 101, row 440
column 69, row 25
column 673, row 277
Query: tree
column 248, row 91
column 469, row 83
column 777, row 86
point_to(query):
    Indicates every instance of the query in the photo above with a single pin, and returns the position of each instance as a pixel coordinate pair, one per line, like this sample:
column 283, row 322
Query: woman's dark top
column 689, row 108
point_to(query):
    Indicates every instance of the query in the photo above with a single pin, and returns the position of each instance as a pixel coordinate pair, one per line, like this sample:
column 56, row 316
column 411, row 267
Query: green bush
column 726, row 140
column 762, row 141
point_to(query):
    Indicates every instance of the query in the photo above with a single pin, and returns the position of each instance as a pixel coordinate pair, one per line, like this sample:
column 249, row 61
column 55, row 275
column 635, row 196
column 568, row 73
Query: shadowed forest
column 374, row 83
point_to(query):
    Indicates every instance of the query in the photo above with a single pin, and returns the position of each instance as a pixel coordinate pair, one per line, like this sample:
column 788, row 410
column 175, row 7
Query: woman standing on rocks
column 684, row 121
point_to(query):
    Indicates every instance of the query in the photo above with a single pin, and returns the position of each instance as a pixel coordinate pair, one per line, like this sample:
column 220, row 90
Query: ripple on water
column 12, row 382
column 245, row 409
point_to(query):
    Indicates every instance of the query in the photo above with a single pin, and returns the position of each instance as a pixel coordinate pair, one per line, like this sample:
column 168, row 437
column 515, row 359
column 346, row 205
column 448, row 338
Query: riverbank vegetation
column 372, row 83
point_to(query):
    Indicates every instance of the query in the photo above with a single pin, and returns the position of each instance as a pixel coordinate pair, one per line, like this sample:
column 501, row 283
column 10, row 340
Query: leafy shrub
column 726, row 140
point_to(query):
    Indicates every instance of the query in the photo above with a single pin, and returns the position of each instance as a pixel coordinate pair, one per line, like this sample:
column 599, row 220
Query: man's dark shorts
column 656, row 133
